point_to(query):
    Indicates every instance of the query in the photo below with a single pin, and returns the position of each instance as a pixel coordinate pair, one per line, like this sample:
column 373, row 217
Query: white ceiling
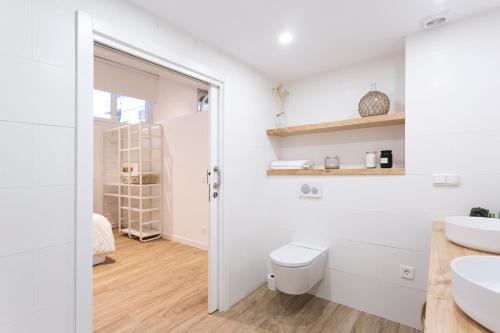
column 327, row 33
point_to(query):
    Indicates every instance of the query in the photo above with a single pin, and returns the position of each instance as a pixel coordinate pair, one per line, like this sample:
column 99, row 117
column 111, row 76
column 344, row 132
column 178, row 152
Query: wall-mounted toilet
column 297, row 267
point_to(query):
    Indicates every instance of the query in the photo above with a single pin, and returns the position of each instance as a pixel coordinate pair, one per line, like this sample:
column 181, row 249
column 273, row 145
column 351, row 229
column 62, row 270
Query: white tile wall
column 372, row 225
column 335, row 95
column 145, row 22
column 374, row 296
column 362, row 259
column 16, row 220
column 450, row 151
column 400, row 304
column 392, row 258
column 15, row 27
column 37, row 120
column 28, row 212
column 16, row 286
column 38, row 92
column 56, row 319
column 53, row 32
column 37, row 72
column 349, row 289
column 54, row 276
column 37, row 201
column 351, row 146
column 54, row 155
column 17, row 149
column 408, row 230
column 60, row 221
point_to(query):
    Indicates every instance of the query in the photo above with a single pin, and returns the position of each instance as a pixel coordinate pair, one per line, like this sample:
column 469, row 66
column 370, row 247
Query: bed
column 103, row 240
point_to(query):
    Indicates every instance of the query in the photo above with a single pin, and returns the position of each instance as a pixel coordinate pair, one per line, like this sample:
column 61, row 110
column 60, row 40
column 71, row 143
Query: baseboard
column 186, row 241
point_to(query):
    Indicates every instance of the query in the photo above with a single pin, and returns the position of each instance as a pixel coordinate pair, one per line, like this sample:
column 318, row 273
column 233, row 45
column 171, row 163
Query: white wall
column 37, row 183
column 374, row 224
column 175, row 99
column 384, row 221
column 335, row 96
column 185, row 155
column 186, row 162
column 37, row 186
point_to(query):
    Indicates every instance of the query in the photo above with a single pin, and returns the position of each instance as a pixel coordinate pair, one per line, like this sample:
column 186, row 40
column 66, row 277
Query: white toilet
column 297, row 267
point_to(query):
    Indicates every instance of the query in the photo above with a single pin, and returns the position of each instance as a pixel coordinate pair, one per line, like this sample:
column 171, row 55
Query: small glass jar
column 371, row 159
column 332, row 162
column 386, row 159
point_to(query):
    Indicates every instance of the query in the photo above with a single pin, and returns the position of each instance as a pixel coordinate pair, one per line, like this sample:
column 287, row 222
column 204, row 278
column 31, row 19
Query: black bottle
column 386, row 159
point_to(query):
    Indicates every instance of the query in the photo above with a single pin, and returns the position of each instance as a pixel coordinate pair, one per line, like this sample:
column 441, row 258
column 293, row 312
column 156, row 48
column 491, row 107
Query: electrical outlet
column 407, row 272
column 203, row 231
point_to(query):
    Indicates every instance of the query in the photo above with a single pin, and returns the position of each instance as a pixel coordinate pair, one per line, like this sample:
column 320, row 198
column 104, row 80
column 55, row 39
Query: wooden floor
column 161, row 286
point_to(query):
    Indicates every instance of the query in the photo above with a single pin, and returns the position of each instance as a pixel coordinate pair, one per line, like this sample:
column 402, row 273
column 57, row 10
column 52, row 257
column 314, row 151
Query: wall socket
column 407, row 272
column 203, row 231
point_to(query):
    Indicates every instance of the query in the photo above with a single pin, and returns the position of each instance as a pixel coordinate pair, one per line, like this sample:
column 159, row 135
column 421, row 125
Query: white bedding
column 103, row 239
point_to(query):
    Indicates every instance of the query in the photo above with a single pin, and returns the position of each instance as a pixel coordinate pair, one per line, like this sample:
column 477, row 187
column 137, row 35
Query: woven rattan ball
column 375, row 103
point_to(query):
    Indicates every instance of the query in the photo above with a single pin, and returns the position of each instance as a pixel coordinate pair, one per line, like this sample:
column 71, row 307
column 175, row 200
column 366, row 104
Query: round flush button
column 305, row 189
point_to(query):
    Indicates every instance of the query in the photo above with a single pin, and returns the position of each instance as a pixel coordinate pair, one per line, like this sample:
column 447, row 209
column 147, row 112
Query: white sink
column 476, row 288
column 479, row 233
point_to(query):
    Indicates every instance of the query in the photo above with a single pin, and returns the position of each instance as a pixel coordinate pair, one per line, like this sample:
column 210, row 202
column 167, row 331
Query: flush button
column 305, row 189
column 310, row 190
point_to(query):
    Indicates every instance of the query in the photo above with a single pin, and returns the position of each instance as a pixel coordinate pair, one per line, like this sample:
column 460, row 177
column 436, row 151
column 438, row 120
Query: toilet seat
column 296, row 254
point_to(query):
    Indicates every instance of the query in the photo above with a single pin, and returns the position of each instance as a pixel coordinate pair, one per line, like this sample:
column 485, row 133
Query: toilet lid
column 295, row 255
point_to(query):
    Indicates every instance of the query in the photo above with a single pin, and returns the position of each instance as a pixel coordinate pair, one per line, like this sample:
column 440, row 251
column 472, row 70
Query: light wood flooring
column 161, row 286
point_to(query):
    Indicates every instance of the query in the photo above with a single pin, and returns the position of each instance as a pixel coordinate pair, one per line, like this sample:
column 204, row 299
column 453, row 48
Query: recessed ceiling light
column 436, row 22
column 285, row 37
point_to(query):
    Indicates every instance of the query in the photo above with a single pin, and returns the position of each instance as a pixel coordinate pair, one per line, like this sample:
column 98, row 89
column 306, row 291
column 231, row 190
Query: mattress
column 103, row 240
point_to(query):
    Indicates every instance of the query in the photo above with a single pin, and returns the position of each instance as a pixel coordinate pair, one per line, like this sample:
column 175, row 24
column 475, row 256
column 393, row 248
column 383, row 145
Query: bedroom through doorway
column 151, row 193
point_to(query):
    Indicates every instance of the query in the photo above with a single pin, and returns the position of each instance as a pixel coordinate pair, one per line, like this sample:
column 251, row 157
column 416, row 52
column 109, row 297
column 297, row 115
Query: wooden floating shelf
column 338, row 172
column 348, row 124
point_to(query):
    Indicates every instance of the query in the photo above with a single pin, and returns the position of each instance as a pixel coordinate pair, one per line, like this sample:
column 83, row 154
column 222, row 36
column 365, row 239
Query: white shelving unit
column 133, row 195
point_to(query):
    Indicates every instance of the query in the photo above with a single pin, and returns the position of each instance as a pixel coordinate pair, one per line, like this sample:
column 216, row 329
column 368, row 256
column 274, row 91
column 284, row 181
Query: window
column 131, row 110
column 102, row 104
column 119, row 108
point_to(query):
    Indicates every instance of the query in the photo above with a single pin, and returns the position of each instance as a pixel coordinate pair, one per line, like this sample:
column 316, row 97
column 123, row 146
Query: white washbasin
column 479, row 233
column 476, row 288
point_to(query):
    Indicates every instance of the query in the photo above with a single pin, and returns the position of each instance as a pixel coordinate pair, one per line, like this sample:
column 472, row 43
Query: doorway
column 87, row 35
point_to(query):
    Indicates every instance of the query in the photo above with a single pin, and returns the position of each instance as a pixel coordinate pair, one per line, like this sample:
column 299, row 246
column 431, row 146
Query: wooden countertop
column 442, row 315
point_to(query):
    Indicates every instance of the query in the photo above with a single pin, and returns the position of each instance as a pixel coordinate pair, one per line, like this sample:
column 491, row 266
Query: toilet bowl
column 297, row 267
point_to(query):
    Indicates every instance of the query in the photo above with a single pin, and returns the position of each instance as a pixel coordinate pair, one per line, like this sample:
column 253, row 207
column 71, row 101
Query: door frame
column 88, row 31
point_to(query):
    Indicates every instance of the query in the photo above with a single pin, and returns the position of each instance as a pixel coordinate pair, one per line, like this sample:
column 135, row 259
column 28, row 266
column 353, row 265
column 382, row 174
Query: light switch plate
column 310, row 190
column 445, row 179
